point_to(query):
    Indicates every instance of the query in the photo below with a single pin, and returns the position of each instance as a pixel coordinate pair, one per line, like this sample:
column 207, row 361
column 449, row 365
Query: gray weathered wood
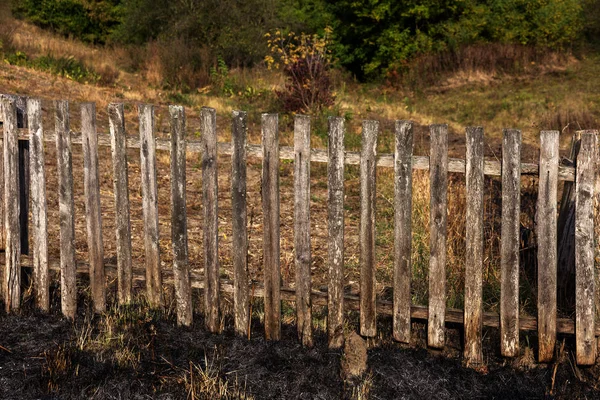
column 438, row 177
column 335, row 234
column 92, row 206
column 547, row 240
column 509, row 246
column 208, row 117
column 179, row 238
column 302, row 228
column 402, row 230
column 239, row 223
column 584, row 249
column 150, row 205
column 121, row 185
column 474, row 248
column 368, row 313
column 271, row 245
column 68, row 280
column 39, row 208
column 12, row 271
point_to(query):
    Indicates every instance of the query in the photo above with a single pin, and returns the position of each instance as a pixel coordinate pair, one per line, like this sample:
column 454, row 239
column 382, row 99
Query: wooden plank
column 438, row 177
column 208, row 117
column 302, row 228
column 12, row 271
column 39, row 207
column 92, row 206
column 546, row 216
column 271, row 245
column 150, row 205
column 474, row 248
column 121, row 185
column 509, row 246
column 490, row 167
column 584, row 249
column 179, row 238
column 64, row 165
column 368, row 314
column 402, row 230
column 239, row 218
column 335, row 232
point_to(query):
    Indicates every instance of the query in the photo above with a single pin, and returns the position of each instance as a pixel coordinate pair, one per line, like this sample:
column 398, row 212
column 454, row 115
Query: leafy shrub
column 305, row 60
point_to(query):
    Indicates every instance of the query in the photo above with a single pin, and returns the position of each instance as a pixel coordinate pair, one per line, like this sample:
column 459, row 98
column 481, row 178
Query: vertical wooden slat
column 150, row 205
column 239, row 220
column 271, row 245
column 403, row 151
column 302, row 228
column 92, row 205
column 12, row 269
column 438, row 176
column 474, row 247
column 208, row 119
column 546, row 215
column 68, row 282
column 368, row 313
column 24, row 175
column 121, row 184
column 509, row 247
column 335, row 234
column 181, row 273
column 584, row 249
column 39, row 208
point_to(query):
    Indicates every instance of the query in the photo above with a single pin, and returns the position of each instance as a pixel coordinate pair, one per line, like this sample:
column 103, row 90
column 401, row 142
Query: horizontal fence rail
column 509, row 320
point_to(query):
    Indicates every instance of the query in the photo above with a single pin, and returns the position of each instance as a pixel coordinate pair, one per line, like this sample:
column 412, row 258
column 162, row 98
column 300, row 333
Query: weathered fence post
column 150, row 205
column 438, row 176
column 302, row 228
column 547, row 242
column 368, row 174
column 335, row 224
column 208, row 117
column 181, row 272
column 92, row 205
column 585, row 182
column 68, row 281
column 271, row 245
column 509, row 258
column 12, row 270
column 121, row 188
column 474, row 247
column 239, row 224
column 39, row 208
column 403, row 151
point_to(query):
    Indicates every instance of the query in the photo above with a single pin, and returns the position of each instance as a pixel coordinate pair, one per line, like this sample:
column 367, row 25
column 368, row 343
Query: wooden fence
column 402, row 160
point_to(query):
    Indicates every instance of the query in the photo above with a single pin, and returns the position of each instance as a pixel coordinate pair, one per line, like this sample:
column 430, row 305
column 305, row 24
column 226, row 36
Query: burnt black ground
column 283, row 370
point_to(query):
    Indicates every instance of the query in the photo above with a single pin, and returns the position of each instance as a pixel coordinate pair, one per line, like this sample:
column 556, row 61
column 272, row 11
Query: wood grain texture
column 302, row 228
column 473, row 352
column 92, row 206
column 271, row 244
column 546, row 216
column 179, row 237
column 368, row 265
column 39, row 207
column 402, row 229
column 208, row 117
column 335, row 232
column 154, row 289
column 68, row 281
column 509, row 245
column 438, row 178
column 11, row 286
column 584, row 249
column 239, row 216
column 121, row 189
